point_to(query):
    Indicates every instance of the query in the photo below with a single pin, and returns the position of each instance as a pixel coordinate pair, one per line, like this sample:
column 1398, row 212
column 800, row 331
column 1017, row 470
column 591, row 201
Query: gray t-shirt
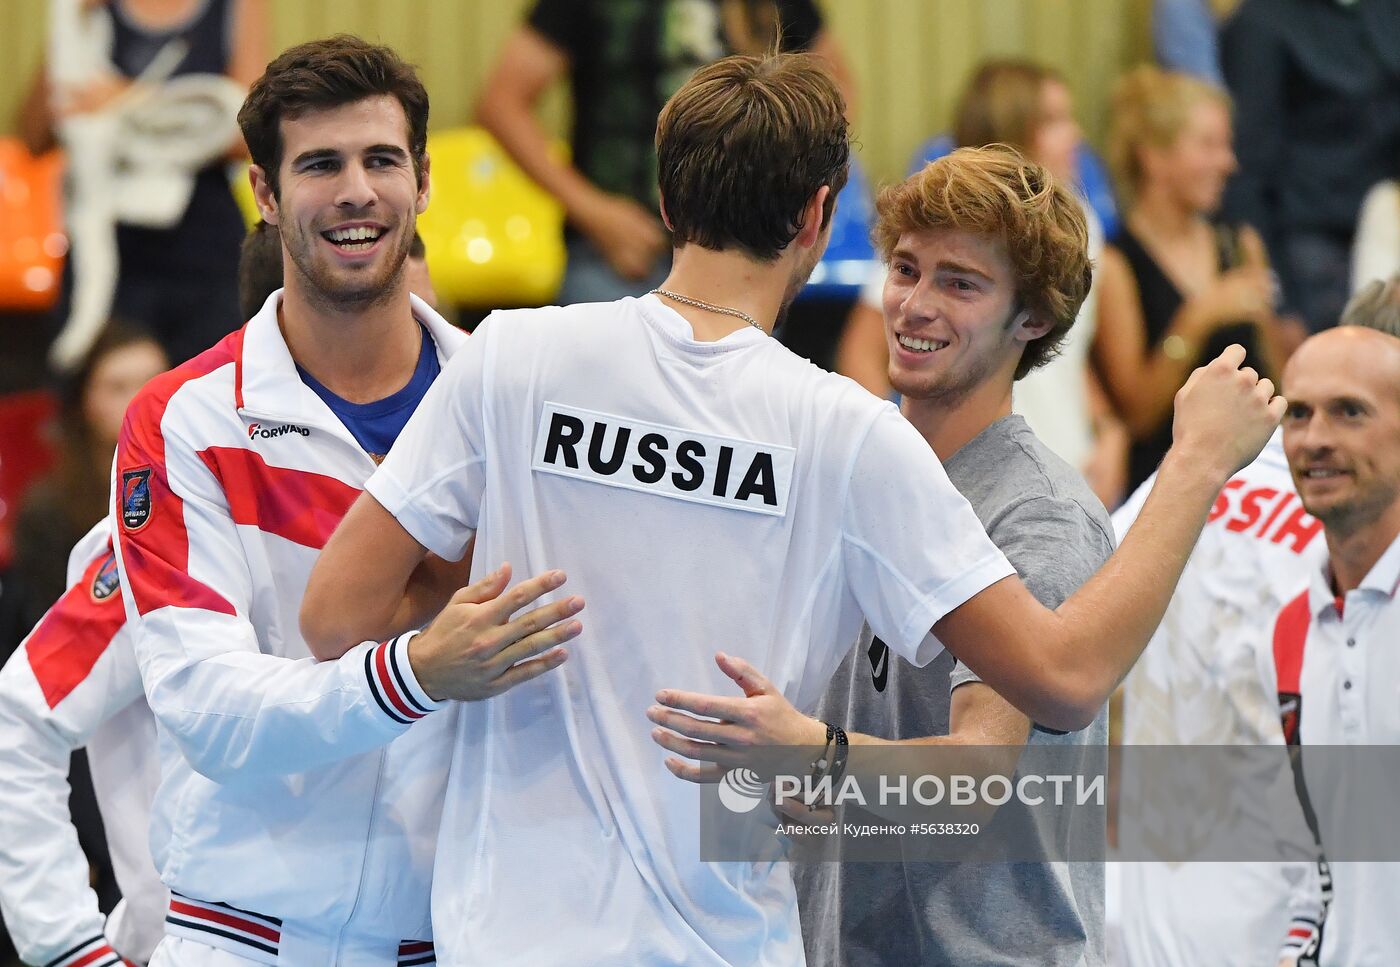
column 1056, row 533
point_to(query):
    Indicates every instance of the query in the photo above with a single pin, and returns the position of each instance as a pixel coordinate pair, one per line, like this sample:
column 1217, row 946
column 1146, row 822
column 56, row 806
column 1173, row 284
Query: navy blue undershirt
column 375, row 426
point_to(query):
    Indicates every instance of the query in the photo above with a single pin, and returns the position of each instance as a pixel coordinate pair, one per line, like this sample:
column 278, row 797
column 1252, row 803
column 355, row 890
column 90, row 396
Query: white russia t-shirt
column 702, row 496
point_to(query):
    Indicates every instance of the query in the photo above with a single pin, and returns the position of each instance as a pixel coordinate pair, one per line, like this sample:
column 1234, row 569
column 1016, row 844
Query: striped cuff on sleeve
column 416, row 953
column 392, row 683
column 93, row 952
column 1301, row 938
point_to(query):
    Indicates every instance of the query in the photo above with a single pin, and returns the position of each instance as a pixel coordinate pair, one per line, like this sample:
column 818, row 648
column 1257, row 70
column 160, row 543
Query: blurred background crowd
column 1239, row 161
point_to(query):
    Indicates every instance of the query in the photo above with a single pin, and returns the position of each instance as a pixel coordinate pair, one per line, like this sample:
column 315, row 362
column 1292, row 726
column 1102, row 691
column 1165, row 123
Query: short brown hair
column 324, row 74
column 744, row 145
column 1001, row 104
column 1150, row 107
column 996, row 193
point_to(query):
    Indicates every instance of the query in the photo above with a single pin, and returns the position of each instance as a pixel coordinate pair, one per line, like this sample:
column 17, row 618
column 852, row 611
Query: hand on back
column 475, row 649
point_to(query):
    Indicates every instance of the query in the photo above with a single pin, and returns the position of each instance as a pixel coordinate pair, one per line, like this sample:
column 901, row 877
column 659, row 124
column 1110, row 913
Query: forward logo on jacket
column 256, row 431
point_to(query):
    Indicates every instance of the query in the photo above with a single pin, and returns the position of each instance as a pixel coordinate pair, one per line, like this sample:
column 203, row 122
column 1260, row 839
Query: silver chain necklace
column 709, row 307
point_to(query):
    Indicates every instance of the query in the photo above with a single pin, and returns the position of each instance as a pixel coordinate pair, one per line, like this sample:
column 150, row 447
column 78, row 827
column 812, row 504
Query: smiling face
column 348, row 201
column 951, row 319
column 1342, row 429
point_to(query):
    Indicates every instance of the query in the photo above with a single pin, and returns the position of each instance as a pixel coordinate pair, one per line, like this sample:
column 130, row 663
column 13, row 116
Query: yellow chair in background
column 494, row 237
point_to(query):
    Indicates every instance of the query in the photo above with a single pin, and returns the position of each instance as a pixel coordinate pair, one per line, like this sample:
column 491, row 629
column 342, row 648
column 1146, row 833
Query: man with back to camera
column 287, row 834
column 984, row 245
column 708, row 483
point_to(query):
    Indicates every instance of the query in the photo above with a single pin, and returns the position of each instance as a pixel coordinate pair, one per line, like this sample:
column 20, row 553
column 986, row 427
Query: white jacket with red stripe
column 1206, row 678
column 73, row 682
column 290, row 788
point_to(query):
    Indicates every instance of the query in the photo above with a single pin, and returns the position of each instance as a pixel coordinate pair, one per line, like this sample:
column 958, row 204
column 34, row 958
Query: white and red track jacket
column 1206, row 679
column 293, row 792
column 73, row 682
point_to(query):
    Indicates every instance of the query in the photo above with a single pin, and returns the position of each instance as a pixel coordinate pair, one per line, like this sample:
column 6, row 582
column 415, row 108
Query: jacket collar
column 1384, row 576
column 1382, row 579
column 266, row 382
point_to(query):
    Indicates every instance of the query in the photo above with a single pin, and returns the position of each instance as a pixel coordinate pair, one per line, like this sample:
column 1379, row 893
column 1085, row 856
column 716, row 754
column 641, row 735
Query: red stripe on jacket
column 92, row 956
column 302, row 506
column 226, row 919
column 1290, row 637
column 157, row 555
column 390, row 687
column 70, row 638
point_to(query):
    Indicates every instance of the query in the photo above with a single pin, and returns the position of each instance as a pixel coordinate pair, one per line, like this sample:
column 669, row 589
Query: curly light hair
column 996, row 193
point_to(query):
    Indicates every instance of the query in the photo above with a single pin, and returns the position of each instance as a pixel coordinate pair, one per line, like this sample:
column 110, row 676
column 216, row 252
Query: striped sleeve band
column 416, row 953
column 1301, row 937
column 393, row 684
column 93, row 952
column 252, row 936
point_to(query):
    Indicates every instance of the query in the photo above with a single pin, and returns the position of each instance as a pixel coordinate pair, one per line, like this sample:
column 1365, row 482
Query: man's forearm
column 360, row 588
column 527, row 143
column 874, row 761
column 241, row 716
column 1059, row 667
column 430, row 589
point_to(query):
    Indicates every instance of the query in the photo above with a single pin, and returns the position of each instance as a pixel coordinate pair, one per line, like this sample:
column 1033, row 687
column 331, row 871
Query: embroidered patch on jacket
column 136, row 498
column 104, row 582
